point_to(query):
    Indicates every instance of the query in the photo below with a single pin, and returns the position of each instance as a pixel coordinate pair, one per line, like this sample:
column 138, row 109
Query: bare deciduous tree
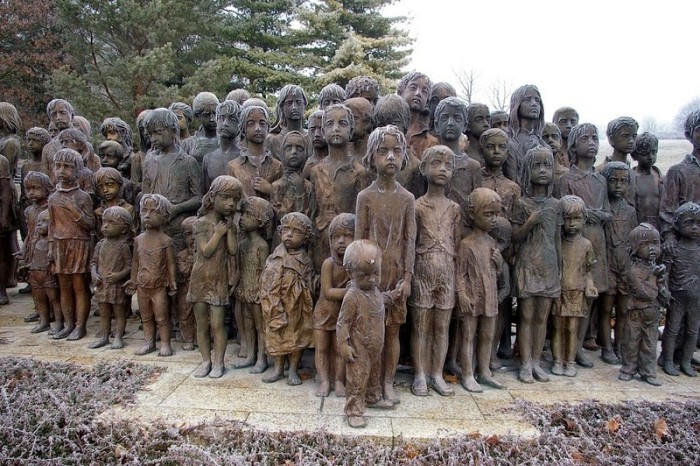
column 500, row 94
column 467, row 80
column 685, row 110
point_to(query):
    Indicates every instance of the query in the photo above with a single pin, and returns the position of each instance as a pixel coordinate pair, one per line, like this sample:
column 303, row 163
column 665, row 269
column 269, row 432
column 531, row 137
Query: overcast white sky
column 606, row 58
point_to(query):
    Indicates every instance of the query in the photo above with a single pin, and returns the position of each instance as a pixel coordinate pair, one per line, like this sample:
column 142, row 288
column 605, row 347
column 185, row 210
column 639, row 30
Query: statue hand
column 591, row 292
column 130, row 287
column 346, row 352
column 465, row 304
column 221, row 228
column 112, row 278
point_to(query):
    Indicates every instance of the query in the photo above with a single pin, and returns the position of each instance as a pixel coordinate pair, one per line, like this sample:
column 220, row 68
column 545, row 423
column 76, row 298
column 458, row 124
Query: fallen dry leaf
column 492, row 440
column 614, row 424
column 661, row 428
column 576, row 455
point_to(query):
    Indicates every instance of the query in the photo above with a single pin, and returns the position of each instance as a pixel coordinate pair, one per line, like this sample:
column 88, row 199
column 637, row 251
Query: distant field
column 671, row 151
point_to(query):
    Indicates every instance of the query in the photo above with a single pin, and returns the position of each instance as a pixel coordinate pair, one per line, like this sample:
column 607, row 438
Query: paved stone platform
column 178, row 397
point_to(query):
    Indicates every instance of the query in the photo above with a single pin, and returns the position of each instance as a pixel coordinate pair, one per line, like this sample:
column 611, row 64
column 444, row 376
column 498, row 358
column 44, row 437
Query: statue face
column 500, row 122
column 541, row 169
column 61, row 117
column 316, row 133
column 530, row 107
column 480, row 121
column 417, row 94
column 337, row 129
column 372, row 96
column 485, row 219
column 294, row 152
column 181, row 120
column 573, row 223
column 256, row 127
column 623, row 140
column 227, row 124
column 690, row 226
column 618, row 183
column 161, row 137
column 439, row 168
column 367, row 273
column 34, row 143
column 328, row 101
column 293, row 107
column 108, row 189
column 109, row 157
column 586, row 145
column 389, row 156
column 565, row 122
column 450, row 123
column 206, row 115
column 552, row 138
column 494, row 151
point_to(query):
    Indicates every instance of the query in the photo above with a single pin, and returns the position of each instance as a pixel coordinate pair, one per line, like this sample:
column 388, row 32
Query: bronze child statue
column 648, row 291
column 478, row 264
column 330, row 367
column 287, row 298
column 110, row 268
column 153, row 273
column 439, row 226
column 359, row 331
column 216, row 238
column 577, row 287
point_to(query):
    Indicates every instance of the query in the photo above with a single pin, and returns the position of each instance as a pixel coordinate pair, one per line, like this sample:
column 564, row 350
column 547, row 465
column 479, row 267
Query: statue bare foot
column 77, row 333
column 293, row 378
column 145, row 349
column 470, row 385
column 216, row 371
column 118, row 343
column 63, row 333
column 487, row 379
column 390, row 394
column 203, row 370
column 539, row 373
column 339, row 389
column 42, row 327
column 274, row 377
column 99, row 343
column 259, row 368
column 323, row 389
column 440, row 386
column 245, row 363
column 165, row 350
column 420, row 386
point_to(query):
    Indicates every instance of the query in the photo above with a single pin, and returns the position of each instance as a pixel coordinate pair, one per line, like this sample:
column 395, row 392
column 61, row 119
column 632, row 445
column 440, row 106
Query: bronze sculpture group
column 412, row 210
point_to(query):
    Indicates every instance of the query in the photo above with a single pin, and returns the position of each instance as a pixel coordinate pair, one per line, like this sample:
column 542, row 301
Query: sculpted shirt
column 682, row 185
column 175, row 176
column 245, row 170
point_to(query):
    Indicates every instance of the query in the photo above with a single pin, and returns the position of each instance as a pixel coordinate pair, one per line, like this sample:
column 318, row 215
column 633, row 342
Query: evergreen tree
column 352, row 38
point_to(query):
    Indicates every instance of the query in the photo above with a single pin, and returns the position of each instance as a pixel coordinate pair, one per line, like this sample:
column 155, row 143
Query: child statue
column 583, row 181
column 289, row 111
column 650, row 181
column 331, row 94
column 622, row 134
column 255, row 168
column 334, row 280
column 617, row 231
column 215, row 163
column 110, row 268
column 525, row 125
column 184, row 115
column 216, row 238
column 363, row 113
column 363, row 86
column 478, row 121
column 71, row 227
column 256, row 216
column 647, row 291
column 386, row 215
column 537, row 224
column 170, row 172
column 117, row 130
column 318, row 142
column 185, row 311
column 450, row 122
column 438, row 232
column 204, row 107
column 359, row 331
column 286, row 297
column 565, row 118
column 337, row 179
column 683, row 267
column 499, row 120
column 682, row 182
column 577, row 287
column 109, row 184
column 153, row 273
column 478, row 264
column 415, row 89
column 111, row 154
column 42, row 280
